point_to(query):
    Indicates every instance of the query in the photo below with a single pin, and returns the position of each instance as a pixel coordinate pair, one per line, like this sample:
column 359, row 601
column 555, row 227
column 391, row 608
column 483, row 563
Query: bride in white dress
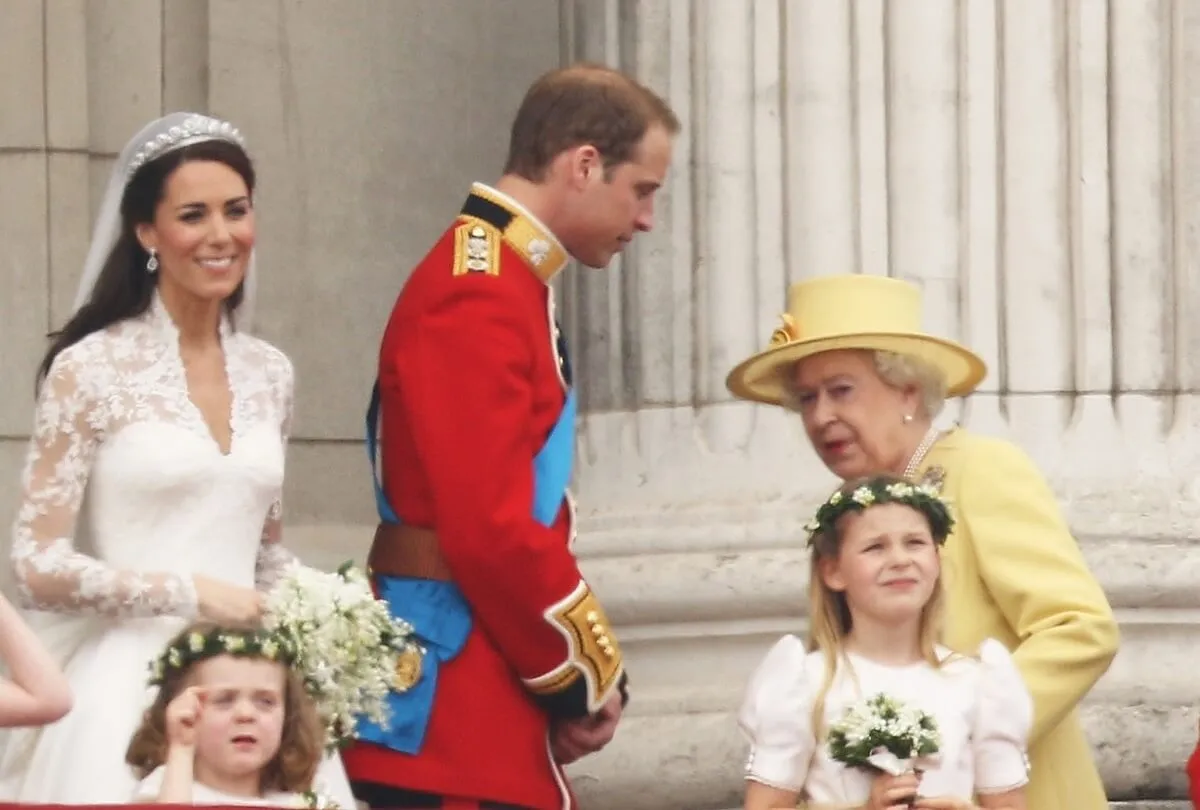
column 151, row 491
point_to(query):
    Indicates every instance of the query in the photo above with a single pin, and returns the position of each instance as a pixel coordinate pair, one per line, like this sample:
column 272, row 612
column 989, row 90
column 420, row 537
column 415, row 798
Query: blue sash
column 437, row 611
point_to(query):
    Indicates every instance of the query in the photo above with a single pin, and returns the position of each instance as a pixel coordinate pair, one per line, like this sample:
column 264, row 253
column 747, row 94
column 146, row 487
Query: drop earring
column 152, row 262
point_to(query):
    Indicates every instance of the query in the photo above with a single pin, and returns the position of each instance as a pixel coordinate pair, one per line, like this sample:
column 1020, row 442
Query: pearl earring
column 152, row 262
column 907, row 418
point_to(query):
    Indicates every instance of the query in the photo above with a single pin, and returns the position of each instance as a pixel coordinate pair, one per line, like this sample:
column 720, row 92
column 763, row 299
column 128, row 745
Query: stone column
column 1023, row 162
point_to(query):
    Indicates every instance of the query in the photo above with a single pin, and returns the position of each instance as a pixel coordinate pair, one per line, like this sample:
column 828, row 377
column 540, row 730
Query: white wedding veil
column 156, row 139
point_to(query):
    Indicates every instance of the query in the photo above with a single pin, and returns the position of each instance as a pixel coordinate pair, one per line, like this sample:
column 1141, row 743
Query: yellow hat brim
column 760, row 378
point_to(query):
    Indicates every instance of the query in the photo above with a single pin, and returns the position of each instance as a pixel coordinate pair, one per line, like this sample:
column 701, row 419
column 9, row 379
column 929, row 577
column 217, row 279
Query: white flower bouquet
column 344, row 642
column 882, row 732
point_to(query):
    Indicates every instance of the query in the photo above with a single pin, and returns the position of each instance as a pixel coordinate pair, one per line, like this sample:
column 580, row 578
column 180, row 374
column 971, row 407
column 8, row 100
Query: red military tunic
column 471, row 383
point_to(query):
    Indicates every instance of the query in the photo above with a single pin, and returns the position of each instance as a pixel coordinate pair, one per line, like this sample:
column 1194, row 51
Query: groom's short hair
column 583, row 104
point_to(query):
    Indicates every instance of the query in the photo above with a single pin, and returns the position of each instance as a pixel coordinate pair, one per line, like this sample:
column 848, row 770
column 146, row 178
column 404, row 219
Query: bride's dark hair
column 124, row 289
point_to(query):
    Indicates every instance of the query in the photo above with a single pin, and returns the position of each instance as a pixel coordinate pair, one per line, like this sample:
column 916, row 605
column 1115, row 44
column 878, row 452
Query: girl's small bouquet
column 883, row 733
column 344, row 642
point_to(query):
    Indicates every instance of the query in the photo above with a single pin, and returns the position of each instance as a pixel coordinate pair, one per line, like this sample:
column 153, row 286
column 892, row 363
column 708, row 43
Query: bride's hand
column 227, row 604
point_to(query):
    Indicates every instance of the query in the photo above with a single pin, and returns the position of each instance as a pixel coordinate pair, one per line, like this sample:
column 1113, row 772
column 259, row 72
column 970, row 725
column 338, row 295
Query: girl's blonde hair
column 829, row 620
column 293, row 767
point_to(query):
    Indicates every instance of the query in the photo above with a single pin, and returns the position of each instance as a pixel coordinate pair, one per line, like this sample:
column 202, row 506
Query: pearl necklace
column 931, row 436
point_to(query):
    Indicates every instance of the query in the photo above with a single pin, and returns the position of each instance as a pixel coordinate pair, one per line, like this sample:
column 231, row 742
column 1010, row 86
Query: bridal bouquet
column 883, row 733
column 343, row 641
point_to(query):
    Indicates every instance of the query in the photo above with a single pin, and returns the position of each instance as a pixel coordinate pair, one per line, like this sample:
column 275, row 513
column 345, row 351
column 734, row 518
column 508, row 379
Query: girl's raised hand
column 183, row 714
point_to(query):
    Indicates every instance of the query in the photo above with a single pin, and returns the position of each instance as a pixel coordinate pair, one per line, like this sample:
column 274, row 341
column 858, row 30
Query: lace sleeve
column 273, row 559
column 69, row 425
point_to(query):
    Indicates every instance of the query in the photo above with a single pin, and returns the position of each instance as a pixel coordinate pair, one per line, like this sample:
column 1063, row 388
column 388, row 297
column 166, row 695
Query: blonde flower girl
column 875, row 597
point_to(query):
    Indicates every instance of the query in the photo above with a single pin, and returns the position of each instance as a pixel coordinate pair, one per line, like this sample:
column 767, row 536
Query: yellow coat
column 1013, row 572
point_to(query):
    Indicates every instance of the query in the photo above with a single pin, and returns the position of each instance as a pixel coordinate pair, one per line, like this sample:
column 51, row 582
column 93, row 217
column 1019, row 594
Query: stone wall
column 1025, row 162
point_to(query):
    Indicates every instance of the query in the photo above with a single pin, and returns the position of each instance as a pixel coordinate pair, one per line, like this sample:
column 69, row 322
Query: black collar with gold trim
column 537, row 246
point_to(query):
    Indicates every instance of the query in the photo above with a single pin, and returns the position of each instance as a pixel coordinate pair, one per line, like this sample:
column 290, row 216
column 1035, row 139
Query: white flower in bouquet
column 344, row 641
column 884, row 733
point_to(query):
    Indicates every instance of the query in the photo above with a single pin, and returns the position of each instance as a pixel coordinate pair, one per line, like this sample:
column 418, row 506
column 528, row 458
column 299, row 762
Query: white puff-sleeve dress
column 982, row 708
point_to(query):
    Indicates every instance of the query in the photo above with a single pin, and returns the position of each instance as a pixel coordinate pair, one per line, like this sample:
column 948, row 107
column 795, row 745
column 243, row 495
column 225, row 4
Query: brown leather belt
column 407, row 551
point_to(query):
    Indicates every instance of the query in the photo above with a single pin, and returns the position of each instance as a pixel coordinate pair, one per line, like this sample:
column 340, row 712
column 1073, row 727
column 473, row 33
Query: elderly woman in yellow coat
column 852, row 360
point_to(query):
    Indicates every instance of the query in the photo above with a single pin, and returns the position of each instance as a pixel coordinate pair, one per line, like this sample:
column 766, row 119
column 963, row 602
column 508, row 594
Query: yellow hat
column 852, row 312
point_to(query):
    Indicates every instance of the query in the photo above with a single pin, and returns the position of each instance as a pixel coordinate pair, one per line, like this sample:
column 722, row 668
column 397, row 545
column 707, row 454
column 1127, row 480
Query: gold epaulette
column 476, row 247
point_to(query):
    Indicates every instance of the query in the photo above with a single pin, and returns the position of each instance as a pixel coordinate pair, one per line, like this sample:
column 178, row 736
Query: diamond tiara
column 193, row 129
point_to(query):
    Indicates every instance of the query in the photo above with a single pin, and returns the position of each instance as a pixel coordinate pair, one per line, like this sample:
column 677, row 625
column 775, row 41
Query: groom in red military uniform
column 472, row 426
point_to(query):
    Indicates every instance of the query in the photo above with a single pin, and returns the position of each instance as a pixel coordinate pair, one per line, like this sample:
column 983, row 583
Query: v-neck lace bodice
column 115, row 422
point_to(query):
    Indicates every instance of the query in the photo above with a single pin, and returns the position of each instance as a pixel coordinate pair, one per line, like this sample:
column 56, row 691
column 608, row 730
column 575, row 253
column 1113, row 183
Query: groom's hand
column 574, row 739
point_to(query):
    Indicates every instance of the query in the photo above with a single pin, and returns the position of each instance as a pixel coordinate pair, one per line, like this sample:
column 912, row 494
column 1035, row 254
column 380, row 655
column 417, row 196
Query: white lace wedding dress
column 126, row 495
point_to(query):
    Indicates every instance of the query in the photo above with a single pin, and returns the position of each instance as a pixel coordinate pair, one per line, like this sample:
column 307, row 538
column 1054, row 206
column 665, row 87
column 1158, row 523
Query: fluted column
column 1027, row 164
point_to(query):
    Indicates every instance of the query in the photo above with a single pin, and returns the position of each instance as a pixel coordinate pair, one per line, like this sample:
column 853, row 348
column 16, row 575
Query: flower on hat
column 786, row 333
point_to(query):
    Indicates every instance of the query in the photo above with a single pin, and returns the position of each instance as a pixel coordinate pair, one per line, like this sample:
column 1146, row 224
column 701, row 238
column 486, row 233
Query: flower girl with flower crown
column 242, row 716
column 233, row 724
column 874, row 712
